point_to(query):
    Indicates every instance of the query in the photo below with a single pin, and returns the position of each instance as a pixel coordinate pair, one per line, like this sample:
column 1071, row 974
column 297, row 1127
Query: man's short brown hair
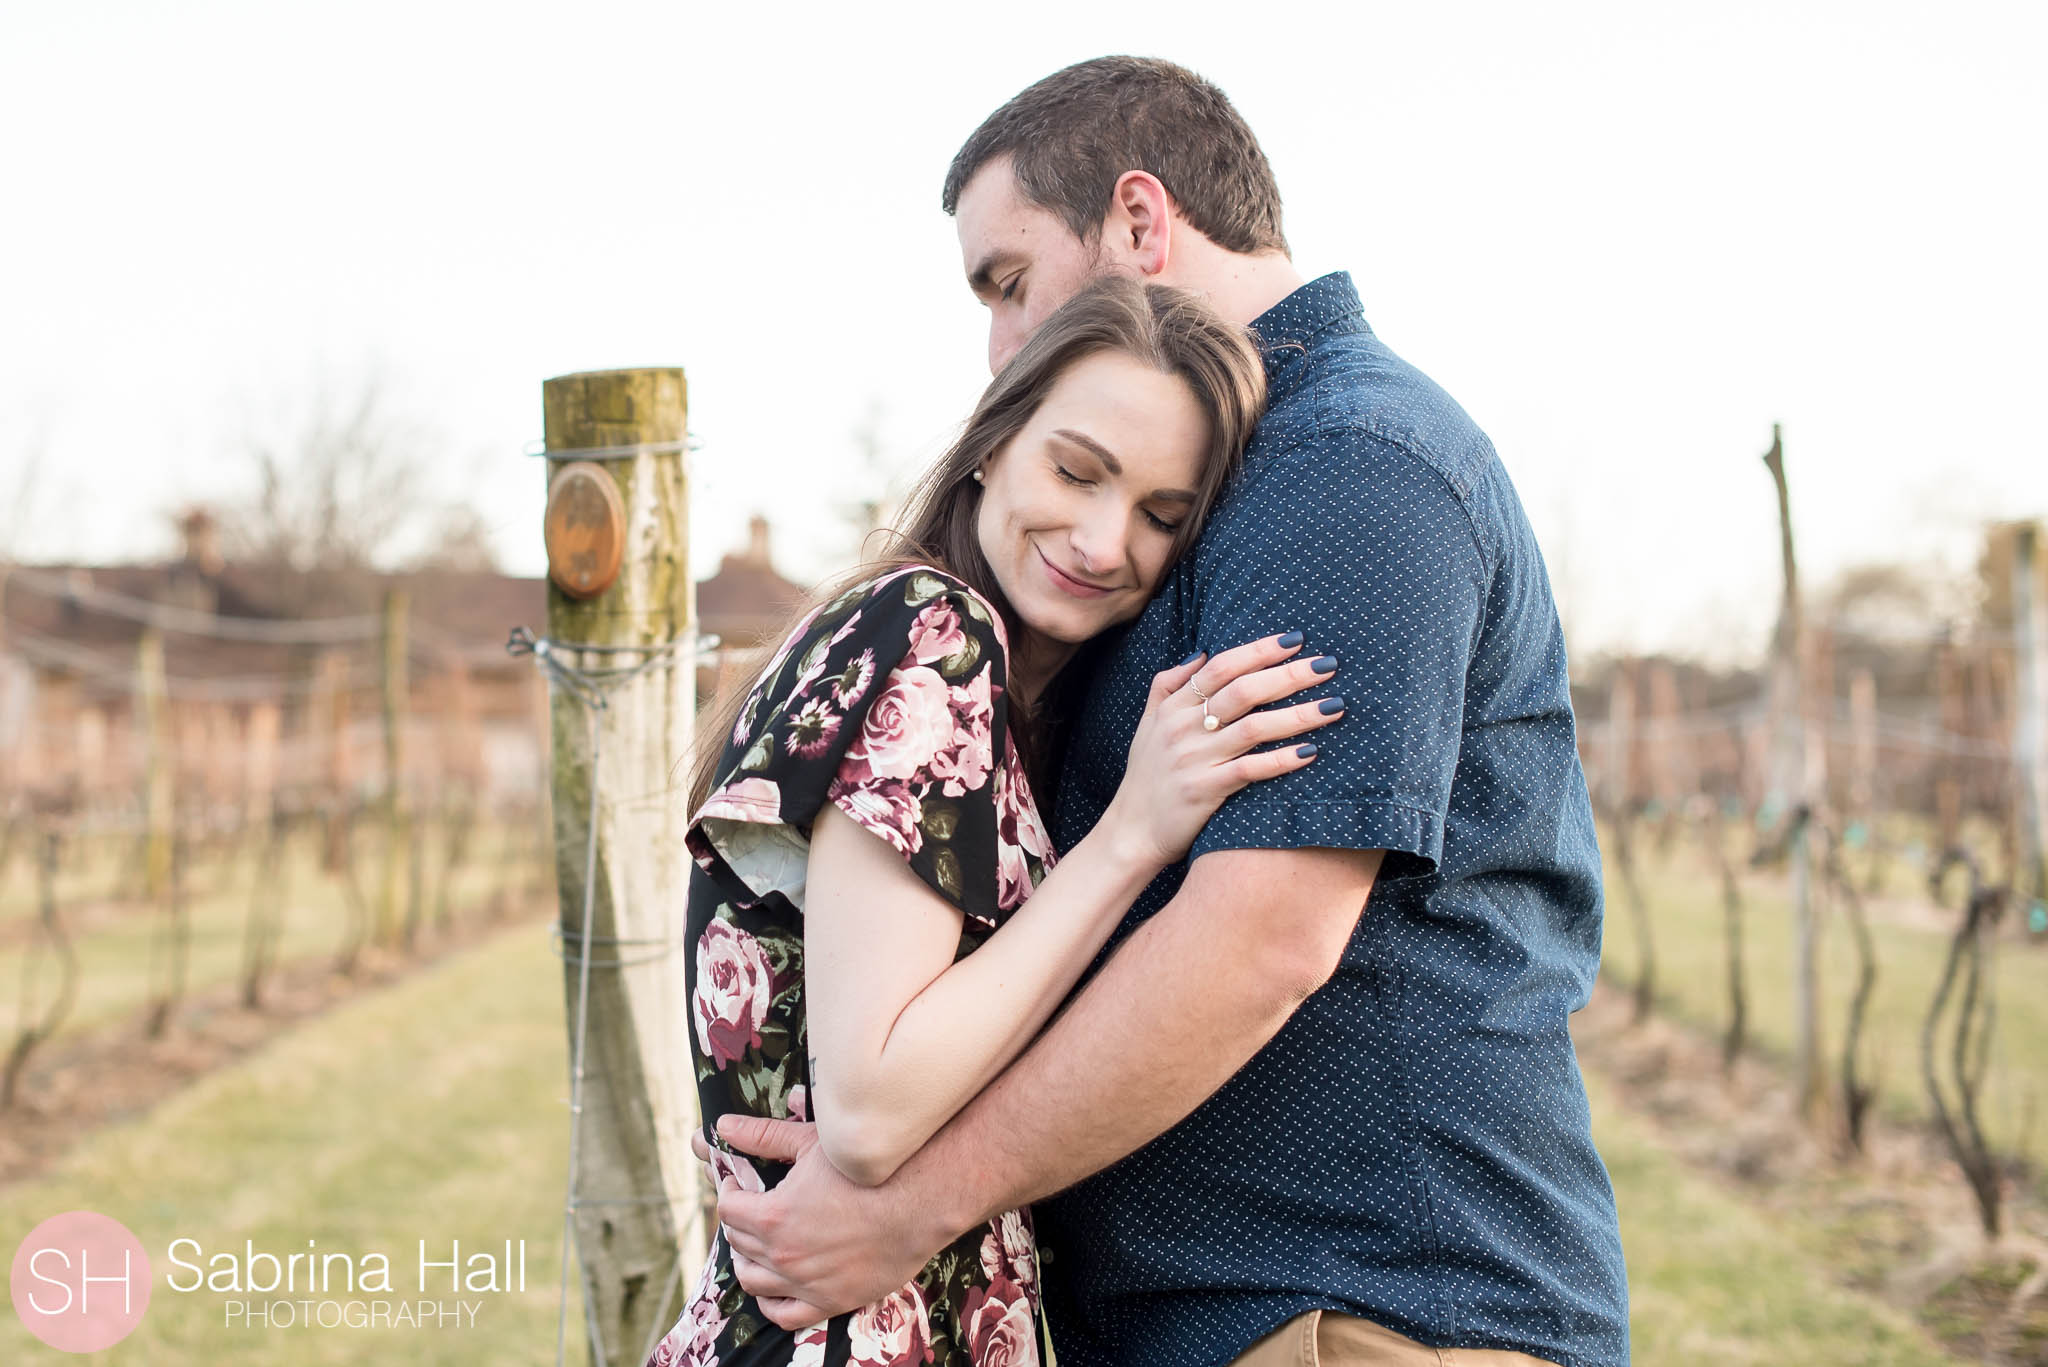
column 1071, row 135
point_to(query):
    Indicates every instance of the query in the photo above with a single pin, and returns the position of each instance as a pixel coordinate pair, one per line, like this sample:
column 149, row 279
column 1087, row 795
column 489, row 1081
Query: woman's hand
column 1179, row 770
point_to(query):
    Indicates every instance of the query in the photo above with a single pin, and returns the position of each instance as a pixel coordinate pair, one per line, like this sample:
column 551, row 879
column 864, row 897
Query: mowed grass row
column 433, row 1109
column 1688, row 931
column 118, row 957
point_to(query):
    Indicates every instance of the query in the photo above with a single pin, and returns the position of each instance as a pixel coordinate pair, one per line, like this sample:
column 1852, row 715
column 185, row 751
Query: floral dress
column 890, row 703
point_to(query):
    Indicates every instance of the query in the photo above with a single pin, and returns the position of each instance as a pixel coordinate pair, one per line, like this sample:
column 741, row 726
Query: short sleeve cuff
column 1292, row 825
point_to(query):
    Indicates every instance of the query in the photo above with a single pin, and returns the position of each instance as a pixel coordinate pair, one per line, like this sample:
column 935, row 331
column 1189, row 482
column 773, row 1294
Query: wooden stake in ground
column 1791, row 791
column 643, row 1229
column 153, row 702
column 397, row 841
column 1621, row 813
column 2030, row 720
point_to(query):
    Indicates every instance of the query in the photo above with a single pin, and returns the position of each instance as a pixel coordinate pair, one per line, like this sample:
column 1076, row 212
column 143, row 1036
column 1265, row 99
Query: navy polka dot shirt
column 1414, row 1146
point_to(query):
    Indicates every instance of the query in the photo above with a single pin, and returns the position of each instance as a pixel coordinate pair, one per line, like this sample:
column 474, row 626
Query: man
column 1270, row 1127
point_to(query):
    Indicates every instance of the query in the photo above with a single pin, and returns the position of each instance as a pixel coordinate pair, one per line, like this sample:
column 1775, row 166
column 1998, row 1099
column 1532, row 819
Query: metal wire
column 562, row 935
column 193, row 621
column 645, row 448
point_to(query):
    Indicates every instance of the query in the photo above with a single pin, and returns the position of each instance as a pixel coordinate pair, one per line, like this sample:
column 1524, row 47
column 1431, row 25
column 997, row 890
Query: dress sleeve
column 891, row 705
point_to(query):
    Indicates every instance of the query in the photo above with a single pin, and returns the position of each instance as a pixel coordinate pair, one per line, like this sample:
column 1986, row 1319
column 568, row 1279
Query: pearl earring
column 977, row 477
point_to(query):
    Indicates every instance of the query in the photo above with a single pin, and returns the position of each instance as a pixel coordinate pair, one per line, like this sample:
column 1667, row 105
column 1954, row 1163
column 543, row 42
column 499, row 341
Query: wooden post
column 2030, row 718
column 1948, row 765
column 1863, row 785
column 1621, row 811
column 397, row 845
column 637, row 1086
column 1792, row 791
column 1676, row 754
column 153, row 702
column 260, row 734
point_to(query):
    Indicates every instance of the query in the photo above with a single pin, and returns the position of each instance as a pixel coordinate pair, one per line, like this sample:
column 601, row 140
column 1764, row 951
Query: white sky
column 1628, row 237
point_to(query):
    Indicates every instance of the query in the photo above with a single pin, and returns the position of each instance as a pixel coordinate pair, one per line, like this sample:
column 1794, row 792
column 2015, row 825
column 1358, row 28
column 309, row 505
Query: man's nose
column 1002, row 345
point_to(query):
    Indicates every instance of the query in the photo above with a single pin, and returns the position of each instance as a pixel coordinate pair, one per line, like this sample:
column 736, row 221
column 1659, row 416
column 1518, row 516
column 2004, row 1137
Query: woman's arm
column 900, row 1035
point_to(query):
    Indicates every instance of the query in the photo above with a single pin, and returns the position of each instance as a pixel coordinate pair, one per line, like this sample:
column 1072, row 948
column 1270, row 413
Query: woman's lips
column 1065, row 582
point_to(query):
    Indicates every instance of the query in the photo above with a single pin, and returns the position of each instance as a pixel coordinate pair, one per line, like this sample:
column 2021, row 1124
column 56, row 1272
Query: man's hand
column 817, row 1245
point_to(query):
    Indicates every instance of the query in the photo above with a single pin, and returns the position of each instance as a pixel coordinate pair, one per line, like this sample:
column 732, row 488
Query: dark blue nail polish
column 1289, row 641
column 1330, row 707
column 1304, row 751
column 1326, row 664
column 1189, row 660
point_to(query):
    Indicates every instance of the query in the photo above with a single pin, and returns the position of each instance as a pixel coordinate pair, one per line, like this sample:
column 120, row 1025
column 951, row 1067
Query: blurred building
column 274, row 678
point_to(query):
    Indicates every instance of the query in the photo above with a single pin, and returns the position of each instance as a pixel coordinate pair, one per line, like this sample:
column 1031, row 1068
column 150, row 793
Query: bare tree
column 461, row 542
column 871, row 509
column 339, row 487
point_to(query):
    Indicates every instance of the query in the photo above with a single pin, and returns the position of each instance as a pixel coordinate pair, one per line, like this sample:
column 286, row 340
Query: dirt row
column 1896, row 1221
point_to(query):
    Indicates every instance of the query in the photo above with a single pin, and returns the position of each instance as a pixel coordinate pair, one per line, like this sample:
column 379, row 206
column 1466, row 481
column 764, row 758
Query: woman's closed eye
column 1010, row 286
column 1159, row 523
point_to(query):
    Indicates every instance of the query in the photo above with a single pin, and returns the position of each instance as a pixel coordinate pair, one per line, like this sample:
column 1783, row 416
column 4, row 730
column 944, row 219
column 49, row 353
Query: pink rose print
column 998, row 1326
column 750, row 799
column 734, row 1168
column 695, row 1335
column 893, row 1332
column 909, row 723
column 965, row 763
column 810, row 1347
column 1020, row 836
column 799, row 1102
column 812, row 729
column 936, row 633
column 1009, row 1252
column 734, row 986
column 887, row 807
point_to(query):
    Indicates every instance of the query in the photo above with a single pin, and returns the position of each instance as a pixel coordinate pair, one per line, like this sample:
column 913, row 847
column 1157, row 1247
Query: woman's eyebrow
column 1088, row 443
column 1101, row 453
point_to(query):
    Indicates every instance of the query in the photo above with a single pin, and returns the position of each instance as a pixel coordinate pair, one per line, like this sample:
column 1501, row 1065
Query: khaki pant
column 1324, row 1338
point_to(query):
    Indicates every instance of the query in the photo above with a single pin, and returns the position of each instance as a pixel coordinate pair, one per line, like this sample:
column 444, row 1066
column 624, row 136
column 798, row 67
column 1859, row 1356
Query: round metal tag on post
column 585, row 529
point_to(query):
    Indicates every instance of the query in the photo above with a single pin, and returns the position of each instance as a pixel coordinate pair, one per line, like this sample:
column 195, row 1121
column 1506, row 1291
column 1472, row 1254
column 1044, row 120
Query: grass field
column 116, row 941
column 432, row 1109
column 1687, row 928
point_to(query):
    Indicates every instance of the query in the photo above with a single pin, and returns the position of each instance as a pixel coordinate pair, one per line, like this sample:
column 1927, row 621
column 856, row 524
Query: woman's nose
column 1098, row 539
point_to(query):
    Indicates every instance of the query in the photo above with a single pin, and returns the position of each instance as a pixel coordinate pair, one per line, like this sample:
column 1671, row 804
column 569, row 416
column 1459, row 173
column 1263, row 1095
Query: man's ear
column 1139, row 228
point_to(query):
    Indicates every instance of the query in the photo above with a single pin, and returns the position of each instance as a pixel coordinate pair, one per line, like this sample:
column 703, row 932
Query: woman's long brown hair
column 1172, row 330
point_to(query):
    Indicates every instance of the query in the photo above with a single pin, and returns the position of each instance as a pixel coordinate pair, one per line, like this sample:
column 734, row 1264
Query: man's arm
column 1181, row 1006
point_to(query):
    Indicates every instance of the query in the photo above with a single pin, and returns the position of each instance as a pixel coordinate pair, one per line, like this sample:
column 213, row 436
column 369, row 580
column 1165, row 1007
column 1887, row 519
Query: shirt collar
column 1287, row 330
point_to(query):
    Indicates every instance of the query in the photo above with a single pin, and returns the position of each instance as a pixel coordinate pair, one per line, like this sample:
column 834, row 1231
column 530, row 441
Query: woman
column 877, row 920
